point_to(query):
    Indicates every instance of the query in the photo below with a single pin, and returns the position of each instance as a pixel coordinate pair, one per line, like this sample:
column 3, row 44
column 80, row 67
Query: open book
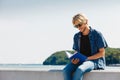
column 78, row 55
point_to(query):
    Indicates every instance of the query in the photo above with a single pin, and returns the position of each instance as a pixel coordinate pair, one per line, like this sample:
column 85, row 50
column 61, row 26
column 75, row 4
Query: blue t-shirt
column 97, row 41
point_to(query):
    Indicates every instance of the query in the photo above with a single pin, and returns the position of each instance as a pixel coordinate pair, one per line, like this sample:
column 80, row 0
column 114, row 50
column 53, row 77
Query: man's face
column 80, row 26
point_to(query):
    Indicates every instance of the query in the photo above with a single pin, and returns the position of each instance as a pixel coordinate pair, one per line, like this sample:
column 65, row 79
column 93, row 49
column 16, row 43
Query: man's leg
column 87, row 66
column 68, row 71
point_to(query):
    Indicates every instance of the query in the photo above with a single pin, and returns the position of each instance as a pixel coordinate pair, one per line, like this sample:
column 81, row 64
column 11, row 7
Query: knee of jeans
column 65, row 71
column 78, row 74
column 79, row 70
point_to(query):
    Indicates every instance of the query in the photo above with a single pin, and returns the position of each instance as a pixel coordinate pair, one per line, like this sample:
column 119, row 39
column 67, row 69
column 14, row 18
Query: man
column 90, row 43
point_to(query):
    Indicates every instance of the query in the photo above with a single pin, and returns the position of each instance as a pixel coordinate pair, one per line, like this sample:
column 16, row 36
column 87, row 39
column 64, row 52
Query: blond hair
column 80, row 17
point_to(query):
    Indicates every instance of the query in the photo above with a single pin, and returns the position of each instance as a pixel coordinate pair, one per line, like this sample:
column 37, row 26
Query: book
column 77, row 55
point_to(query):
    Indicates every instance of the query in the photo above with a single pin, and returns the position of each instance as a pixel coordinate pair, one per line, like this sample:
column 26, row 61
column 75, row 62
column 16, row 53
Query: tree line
column 112, row 56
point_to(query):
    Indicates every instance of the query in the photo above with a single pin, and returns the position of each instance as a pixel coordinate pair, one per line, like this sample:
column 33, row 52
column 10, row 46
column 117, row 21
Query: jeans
column 76, row 71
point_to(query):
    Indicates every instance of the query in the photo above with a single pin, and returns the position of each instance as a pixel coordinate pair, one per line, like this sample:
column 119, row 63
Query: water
column 30, row 67
column 38, row 67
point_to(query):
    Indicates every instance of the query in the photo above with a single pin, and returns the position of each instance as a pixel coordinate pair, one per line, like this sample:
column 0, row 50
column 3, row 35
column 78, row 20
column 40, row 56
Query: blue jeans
column 76, row 71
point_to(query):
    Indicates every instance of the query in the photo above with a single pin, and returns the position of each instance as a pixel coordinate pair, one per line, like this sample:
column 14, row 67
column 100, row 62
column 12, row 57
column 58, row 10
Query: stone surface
column 54, row 74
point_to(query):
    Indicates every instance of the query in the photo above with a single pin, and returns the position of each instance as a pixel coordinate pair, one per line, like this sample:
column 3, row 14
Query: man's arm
column 100, row 54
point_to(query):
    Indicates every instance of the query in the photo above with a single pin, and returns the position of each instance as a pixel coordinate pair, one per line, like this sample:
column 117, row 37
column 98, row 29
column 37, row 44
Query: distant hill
column 112, row 56
column 60, row 58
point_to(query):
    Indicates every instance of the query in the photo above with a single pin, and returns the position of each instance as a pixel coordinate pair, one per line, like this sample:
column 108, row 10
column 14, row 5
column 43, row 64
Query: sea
column 40, row 67
column 30, row 67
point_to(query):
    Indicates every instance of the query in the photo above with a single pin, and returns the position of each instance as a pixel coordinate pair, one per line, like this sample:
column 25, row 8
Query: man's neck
column 86, row 31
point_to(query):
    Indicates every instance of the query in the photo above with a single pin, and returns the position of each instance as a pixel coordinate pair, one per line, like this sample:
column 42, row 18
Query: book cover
column 78, row 55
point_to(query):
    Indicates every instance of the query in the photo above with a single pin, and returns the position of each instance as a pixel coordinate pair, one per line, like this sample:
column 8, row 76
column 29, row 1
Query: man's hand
column 75, row 61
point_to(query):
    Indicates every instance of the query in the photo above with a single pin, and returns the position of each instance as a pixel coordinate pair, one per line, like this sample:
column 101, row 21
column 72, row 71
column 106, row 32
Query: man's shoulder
column 77, row 34
column 94, row 31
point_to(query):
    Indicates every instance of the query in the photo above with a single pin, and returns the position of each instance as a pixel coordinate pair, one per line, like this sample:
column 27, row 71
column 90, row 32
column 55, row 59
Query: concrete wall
column 103, row 75
column 38, row 74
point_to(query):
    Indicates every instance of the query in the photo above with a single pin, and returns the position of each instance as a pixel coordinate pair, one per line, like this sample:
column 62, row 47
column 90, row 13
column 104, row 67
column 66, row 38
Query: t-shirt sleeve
column 101, row 42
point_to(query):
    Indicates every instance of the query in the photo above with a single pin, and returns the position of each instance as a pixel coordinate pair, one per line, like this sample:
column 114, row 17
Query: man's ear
column 86, row 21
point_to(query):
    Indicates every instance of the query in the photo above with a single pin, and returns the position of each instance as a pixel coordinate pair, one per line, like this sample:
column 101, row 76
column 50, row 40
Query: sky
column 32, row 30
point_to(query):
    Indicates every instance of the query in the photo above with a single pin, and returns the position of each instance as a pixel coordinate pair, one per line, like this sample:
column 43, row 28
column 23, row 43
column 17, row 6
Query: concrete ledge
column 54, row 74
column 103, row 75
